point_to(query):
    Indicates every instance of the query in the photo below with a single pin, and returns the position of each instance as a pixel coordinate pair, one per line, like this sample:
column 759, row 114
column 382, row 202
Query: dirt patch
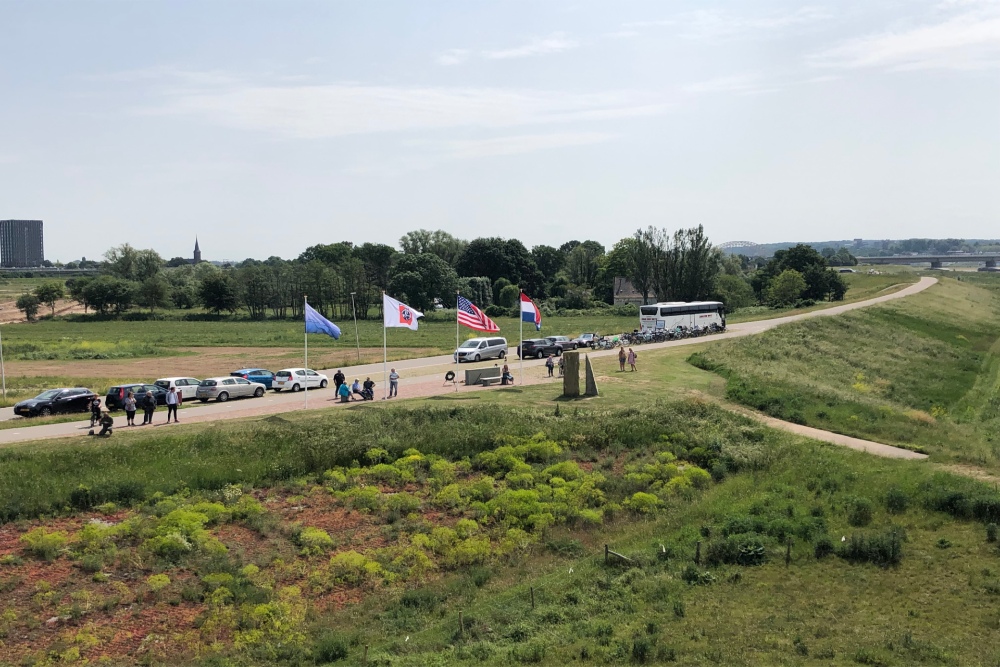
column 9, row 314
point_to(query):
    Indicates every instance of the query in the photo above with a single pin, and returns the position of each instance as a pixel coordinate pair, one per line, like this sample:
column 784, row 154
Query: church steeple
column 197, row 252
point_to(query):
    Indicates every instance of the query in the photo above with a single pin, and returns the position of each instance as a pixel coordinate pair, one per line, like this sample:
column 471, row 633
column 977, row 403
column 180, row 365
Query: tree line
column 429, row 267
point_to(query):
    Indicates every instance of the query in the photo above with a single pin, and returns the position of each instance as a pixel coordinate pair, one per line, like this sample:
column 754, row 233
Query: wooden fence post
column 788, row 552
column 461, row 626
column 605, row 554
column 697, row 553
column 532, row 598
column 366, row 654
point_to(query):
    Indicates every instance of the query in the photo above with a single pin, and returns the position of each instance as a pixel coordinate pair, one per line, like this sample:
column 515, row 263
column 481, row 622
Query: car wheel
column 295, row 388
column 322, row 384
column 502, row 354
column 258, row 392
column 574, row 346
column 540, row 354
column 477, row 358
column 223, row 397
column 558, row 351
column 203, row 400
column 45, row 412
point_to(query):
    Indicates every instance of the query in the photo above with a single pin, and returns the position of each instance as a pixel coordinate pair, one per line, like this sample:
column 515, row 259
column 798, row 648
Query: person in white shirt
column 393, row 383
column 173, row 400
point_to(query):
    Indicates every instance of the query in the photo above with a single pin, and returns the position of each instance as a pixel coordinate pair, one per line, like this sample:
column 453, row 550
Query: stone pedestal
column 591, row 387
column 571, row 380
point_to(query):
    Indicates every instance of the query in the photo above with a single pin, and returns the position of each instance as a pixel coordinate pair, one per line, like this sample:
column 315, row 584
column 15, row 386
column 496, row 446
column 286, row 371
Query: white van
column 477, row 349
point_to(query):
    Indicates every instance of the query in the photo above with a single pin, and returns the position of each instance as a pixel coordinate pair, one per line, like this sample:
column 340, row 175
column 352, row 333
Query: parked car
column 113, row 401
column 564, row 342
column 538, row 347
column 51, row 401
column 587, row 339
column 186, row 387
column 261, row 375
column 226, row 387
column 295, row 379
column 477, row 349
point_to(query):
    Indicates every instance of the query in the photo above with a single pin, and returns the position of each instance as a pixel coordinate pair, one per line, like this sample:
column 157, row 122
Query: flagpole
column 357, row 337
column 3, row 374
column 520, row 345
column 385, row 355
column 305, row 383
column 457, row 293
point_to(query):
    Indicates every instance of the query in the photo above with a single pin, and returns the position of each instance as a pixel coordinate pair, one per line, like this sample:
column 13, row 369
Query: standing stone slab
column 591, row 389
column 571, row 380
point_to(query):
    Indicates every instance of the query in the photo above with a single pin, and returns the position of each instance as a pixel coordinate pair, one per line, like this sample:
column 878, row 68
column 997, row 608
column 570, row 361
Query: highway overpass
column 986, row 259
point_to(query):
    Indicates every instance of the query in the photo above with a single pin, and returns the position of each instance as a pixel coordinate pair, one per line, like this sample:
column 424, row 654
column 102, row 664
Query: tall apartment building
column 21, row 243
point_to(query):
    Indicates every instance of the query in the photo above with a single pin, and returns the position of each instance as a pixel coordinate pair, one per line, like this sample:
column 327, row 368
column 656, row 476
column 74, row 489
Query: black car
column 113, row 401
column 564, row 342
column 51, row 401
column 538, row 347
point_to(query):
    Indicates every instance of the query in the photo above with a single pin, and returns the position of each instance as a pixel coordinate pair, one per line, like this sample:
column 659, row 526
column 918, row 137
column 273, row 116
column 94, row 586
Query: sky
column 265, row 127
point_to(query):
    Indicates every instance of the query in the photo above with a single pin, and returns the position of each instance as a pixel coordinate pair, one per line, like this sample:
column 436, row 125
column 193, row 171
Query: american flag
column 474, row 318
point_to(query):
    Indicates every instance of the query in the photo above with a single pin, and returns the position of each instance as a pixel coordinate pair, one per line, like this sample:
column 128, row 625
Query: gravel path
column 424, row 377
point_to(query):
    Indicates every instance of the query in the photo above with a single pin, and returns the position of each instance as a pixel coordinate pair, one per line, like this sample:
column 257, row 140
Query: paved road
column 422, row 377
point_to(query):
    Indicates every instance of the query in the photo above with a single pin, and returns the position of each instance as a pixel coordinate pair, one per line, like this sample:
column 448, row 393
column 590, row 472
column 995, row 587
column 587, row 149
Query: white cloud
column 554, row 43
column 705, row 24
column 322, row 111
column 453, row 57
column 525, row 143
column 969, row 40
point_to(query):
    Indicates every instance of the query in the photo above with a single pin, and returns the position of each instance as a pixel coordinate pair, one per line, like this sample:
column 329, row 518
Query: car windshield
column 283, row 374
column 162, row 383
column 470, row 343
column 208, row 383
column 45, row 395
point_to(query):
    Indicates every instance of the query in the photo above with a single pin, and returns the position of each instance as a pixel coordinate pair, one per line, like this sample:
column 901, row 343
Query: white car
column 186, row 387
column 296, row 379
column 226, row 387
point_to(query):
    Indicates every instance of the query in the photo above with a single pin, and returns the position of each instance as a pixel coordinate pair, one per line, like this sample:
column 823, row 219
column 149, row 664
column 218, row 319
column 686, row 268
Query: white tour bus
column 672, row 314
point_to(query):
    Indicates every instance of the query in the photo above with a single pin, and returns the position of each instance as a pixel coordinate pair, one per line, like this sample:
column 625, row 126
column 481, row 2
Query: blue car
column 261, row 375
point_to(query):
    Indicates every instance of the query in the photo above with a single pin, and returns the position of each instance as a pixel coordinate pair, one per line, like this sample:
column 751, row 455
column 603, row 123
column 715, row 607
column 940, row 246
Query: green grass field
column 920, row 373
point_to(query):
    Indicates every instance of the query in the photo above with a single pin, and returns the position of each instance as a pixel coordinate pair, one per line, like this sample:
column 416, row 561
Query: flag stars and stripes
column 469, row 315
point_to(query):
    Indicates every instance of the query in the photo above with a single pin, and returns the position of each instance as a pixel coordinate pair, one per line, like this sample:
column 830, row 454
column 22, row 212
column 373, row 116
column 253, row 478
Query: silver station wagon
column 226, row 387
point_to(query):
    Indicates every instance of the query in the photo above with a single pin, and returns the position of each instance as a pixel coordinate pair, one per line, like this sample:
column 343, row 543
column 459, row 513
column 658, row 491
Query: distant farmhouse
column 625, row 293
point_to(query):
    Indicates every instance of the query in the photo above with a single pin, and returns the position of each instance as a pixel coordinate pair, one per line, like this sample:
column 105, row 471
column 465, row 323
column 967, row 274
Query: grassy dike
column 920, row 373
column 301, row 539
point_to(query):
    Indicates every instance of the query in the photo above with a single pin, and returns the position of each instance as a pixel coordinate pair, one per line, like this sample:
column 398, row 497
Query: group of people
column 550, row 365
column 629, row 357
column 365, row 391
column 130, row 405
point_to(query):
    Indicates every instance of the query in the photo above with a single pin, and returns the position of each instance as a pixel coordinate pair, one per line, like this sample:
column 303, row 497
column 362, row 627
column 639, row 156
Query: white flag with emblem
column 398, row 314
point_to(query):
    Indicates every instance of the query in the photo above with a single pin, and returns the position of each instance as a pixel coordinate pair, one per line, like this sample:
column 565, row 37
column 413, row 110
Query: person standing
column 549, row 364
column 339, row 378
column 173, row 401
column 621, row 357
column 128, row 404
column 393, row 383
column 148, row 407
column 562, row 366
column 632, row 356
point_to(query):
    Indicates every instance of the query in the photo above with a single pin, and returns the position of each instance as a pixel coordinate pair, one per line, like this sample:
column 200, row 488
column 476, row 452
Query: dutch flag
column 530, row 312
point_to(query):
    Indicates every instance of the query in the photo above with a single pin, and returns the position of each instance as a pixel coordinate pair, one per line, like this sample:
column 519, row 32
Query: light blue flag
column 316, row 323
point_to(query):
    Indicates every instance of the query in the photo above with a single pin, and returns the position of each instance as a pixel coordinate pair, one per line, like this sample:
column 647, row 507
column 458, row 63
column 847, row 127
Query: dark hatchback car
column 259, row 375
column 51, row 401
column 538, row 347
column 113, row 401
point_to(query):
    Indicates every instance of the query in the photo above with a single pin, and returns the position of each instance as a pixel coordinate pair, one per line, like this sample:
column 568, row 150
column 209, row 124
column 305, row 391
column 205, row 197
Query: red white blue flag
column 530, row 312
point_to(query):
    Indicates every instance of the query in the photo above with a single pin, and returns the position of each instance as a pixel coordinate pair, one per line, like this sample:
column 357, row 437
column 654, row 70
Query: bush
column 642, row 649
column 859, row 512
column 991, row 532
column 314, row 541
column 744, row 549
column 882, row 549
column 643, row 503
column 158, row 582
column 329, row 647
column 43, row 544
column 824, row 547
column 896, row 500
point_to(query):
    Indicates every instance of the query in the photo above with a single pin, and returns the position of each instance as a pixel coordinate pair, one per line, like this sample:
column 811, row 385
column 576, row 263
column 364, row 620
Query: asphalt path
column 419, row 377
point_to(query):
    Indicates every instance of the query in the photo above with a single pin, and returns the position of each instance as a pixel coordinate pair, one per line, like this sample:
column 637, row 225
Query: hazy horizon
column 266, row 127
